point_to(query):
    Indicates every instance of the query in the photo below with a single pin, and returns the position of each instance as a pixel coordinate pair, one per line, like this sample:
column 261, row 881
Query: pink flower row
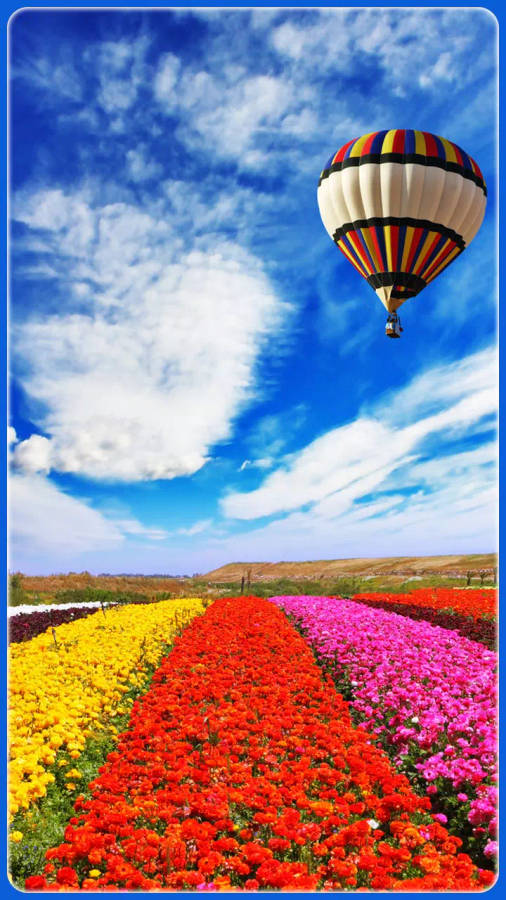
column 427, row 693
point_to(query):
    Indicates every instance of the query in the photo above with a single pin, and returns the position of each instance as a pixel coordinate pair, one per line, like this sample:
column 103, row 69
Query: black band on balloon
column 394, row 220
column 412, row 284
column 404, row 158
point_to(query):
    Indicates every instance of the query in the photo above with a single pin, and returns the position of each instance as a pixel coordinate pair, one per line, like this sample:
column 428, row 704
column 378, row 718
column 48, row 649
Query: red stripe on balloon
column 381, row 264
column 417, row 234
column 430, row 144
column 368, row 144
column 398, row 143
column 394, row 242
column 420, row 263
column 359, row 250
column 439, row 259
column 340, row 153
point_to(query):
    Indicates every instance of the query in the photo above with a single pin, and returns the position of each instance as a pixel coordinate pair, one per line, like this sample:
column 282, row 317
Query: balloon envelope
column 401, row 205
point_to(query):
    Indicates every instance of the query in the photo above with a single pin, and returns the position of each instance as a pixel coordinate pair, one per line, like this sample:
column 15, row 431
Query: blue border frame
column 8, row 10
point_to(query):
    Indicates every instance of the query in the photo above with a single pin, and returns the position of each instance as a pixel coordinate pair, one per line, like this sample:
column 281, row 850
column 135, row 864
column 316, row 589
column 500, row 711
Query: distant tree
column 242, row 584
column 482, row 577
column 469, row 575
column 495, row 574
column 17, row 594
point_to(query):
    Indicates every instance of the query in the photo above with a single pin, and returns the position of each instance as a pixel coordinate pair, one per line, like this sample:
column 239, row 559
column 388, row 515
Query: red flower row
column 241, row 769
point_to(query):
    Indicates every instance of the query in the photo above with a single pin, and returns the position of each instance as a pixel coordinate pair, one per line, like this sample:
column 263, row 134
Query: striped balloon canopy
column 401, row 205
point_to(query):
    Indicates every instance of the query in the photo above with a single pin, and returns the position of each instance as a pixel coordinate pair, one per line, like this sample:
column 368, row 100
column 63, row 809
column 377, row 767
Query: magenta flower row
column 427, row 693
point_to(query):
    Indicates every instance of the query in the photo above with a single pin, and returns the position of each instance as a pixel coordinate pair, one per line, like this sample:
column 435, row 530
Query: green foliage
column 17, row 595
column 88, row 594
column 345, row 586
column 427, row 581
column 42, row 826
column 295, row 587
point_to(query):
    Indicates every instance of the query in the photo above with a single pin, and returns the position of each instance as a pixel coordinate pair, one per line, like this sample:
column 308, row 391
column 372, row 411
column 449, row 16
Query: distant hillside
column 408, row 566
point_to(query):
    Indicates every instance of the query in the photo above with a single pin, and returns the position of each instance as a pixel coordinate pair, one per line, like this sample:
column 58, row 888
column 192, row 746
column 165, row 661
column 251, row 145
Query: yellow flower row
column 65, row 685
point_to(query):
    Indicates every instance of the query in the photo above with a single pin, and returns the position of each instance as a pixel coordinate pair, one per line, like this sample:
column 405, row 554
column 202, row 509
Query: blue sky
column 197, row 374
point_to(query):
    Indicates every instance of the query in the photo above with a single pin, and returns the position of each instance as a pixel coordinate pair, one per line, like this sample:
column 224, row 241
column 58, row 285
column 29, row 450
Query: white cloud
column 230, row 110
column 444, row 386
column 51, row 529
column 339, row 39
column 143, row 383
column 121, row 69
column 271, row 434
column 197, row 528
column 33, row 455
column 55, row 77
column 166, row 78
column 133, row 527
column 353, row 460
column 236, row 104
column 263, row 463
column 457, row 516
column 43, row 518
column 140, row 166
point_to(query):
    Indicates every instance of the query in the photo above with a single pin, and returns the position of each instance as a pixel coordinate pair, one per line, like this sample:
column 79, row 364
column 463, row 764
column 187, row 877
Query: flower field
column 472, row 613
column 240, row 765
column 428, row 694
column 474, row 603
column 25, row 626
column 480, row 628
column 63, row 685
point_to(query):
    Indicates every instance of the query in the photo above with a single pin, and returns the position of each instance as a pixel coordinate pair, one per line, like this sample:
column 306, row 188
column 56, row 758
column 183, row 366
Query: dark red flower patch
column 470, row 612
column 24, row 626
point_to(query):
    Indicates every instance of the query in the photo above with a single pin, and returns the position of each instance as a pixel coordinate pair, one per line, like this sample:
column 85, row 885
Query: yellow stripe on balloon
column 387, row 234
column 366, row 234
column 362, row 255
column 388, row 141
column 356, row 150
column 422, row 251
column 420, row 143
column 437, row 258
column 451, row 156
column 407, row 247
column 352, row 259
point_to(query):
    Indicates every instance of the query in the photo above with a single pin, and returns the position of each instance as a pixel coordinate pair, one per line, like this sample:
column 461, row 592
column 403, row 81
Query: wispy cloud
column 454, row 515
column 348, row 462
column 45, row 519
column 343, row 39
column 229, row 111
column 264, row 463
column 196, row 528
column 56, row 79
column 137, row 529
column 121, row 69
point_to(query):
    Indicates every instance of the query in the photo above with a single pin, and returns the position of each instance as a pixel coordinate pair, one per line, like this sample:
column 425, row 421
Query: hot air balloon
column 401, row 205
